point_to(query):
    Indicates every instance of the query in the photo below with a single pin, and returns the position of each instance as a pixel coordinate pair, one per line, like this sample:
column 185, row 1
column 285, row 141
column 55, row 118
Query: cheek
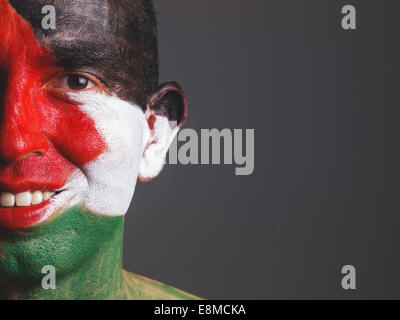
column 113, row 174
column 73, row 132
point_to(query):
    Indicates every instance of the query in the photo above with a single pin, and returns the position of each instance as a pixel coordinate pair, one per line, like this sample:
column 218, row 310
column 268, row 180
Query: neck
column 98, row 276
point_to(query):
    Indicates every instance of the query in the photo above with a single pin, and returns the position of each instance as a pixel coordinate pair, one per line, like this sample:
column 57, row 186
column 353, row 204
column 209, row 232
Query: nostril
column 33, row 146
column 37, row 153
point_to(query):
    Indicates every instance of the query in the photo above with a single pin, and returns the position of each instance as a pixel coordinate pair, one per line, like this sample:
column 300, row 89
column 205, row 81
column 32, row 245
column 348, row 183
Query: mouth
column 26, row 209
column 24, row 199
column 23, row 206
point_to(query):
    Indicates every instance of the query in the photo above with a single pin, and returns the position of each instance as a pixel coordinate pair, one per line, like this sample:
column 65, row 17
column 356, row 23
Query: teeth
column 7, row 199
column 37, row 197
column 47, row 195
column 24, row 199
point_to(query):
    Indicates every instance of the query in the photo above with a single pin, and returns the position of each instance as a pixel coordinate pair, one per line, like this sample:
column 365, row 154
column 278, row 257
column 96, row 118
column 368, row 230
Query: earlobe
column 166, row 112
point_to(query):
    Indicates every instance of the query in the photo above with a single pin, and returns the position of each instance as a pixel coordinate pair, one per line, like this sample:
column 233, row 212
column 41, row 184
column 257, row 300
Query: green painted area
column 86, row 251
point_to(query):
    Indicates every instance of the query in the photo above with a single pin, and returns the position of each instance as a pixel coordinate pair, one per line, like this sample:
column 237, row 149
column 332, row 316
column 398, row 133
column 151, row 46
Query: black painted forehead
column 97, row 35
column 76, row 21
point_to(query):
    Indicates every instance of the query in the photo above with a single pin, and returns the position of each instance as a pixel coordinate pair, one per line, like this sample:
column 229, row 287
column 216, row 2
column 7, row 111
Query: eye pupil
column 76, row 82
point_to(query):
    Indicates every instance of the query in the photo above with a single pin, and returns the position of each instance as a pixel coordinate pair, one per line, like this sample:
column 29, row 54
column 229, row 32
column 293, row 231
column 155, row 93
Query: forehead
column 80, row 24
column 72, row 16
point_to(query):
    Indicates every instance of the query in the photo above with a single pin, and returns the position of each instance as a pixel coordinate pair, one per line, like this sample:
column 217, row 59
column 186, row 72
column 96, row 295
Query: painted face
column 66, row 138
column 75, row 134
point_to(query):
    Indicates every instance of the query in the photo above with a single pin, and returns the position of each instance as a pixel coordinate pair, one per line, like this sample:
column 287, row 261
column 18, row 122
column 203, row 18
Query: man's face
column 65, row 140
column 68, row 140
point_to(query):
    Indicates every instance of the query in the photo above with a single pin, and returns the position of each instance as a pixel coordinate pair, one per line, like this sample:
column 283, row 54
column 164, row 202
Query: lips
column 28, row 187
column 18, row 218
column 24, row 199
column 24, row 209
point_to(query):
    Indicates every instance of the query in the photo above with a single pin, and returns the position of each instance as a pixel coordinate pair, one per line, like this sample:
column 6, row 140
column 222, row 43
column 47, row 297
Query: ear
column 166, row 112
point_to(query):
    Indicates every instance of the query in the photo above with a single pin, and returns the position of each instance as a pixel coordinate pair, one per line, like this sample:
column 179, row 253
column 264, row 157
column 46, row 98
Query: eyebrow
column 79, row 53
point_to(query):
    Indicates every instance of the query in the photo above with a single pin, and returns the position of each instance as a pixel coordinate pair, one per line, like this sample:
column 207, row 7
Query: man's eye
column 73, row 82
column 77, row 82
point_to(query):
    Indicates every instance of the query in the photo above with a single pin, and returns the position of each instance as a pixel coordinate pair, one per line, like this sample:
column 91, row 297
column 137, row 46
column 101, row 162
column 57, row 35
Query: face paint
column 111, row 178
column 83, row 146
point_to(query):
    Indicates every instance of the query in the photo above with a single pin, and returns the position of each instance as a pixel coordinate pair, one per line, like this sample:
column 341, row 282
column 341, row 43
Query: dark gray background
column 324, row 103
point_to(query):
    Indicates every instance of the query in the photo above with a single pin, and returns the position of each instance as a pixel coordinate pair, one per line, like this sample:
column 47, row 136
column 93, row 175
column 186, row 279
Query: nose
column 20, row 123
column 20, row 128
